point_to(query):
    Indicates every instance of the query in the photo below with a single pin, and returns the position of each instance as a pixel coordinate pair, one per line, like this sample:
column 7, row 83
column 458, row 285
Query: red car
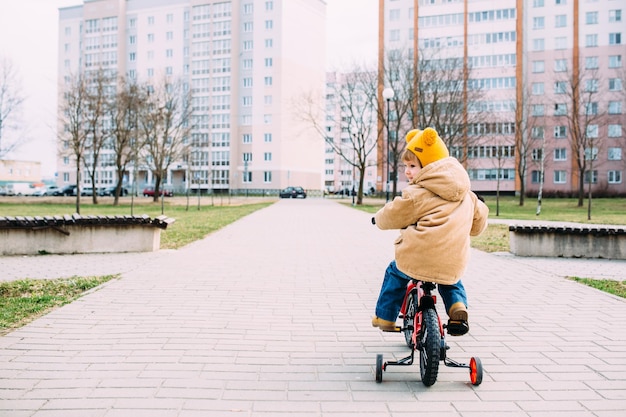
column 149, row 192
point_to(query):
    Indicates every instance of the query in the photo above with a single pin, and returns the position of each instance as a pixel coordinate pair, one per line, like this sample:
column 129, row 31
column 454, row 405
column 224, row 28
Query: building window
column 537, row 89
column 615, row 131
column 591, row 86
column 560, row 65
column 269, row 24
column 538, row 44
column 560, row 87
column 267, row 176
column 591, row 154
column 247, row 138
column 247, row 26
column 614, row 177
column 560, row 21
column 537, row 132
column 591, row 18
column 560, row 132
column 269, row 43
column 269, row 6
column 538, row 66
column 591, row 62
column 539, row 22
column 591, row 176
column 267, row 81
column 560, row 177
column 537, row 154
column 267, row 156
column 538, row 110
column 615, row 61
column 615, row 154
column 615, row 16
column 247, row 82
column 269, row 62
column 394, row 14
column 615, row 107
column 560, row 154
column 560, row 42
column 267, row 137
column 615, row 84
column 247, row 45
column 615, row 38
column 591, row 40
column 560, row 109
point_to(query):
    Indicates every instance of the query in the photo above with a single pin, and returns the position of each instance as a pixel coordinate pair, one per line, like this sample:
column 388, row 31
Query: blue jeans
column 394, row 287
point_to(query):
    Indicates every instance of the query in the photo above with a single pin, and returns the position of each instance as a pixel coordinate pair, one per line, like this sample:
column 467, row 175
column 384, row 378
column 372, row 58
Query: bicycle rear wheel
column 429, row 347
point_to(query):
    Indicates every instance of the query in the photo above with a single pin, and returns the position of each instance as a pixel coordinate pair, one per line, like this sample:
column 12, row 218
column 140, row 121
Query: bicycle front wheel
column 429, row 347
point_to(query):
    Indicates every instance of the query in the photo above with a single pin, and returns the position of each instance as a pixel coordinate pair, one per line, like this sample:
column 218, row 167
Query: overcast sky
column 28, row 37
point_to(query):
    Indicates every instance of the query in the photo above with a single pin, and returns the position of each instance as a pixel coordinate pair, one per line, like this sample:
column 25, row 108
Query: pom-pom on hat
column 426, row 145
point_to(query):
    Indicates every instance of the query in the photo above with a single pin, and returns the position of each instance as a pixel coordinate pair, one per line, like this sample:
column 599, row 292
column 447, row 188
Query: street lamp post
column 388, row 95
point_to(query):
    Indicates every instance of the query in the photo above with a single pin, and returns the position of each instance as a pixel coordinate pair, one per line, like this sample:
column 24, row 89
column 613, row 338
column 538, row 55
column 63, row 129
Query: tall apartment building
column 245, row 61
column 528, row 56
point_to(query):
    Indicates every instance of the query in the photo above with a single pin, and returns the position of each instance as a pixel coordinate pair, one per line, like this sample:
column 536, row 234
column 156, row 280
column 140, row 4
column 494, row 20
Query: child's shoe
column 384, row 325
column 457, row 323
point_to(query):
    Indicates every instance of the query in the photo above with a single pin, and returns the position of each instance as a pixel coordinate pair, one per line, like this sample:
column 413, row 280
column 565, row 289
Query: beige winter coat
column 437, row 214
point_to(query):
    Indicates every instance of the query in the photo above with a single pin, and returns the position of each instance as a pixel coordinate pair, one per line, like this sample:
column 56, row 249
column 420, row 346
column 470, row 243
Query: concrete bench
column 608, row 242
column 80, row 234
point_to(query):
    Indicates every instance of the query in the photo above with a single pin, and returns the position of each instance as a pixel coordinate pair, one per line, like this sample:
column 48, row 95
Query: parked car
column 149, row 192
column 68, row 190
column 39, row 191
column 52, row 190
column 110, row 191
column 293, row 192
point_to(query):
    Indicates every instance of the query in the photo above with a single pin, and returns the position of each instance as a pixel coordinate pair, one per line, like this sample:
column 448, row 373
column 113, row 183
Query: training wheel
column 379, row 367
column 476, row 371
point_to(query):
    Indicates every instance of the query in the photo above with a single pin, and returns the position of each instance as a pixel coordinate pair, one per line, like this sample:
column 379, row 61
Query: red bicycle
column 424, row 332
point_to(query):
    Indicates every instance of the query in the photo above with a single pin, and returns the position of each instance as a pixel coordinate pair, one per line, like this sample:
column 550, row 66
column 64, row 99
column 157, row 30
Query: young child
column 436, row 214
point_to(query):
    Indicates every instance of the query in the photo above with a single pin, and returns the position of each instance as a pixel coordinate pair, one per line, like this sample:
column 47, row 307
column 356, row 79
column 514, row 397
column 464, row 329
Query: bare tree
column 352, row 95
column 73, row 134
column 11, row 100
column 99, row 87
column 581, row 112
column 164, row 124
column 123, row 113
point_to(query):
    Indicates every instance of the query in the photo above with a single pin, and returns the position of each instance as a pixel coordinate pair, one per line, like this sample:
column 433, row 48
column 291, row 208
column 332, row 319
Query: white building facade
column 245, row 61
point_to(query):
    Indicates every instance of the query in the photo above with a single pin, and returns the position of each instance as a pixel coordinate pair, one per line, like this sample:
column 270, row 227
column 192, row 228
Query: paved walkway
column 271, row 316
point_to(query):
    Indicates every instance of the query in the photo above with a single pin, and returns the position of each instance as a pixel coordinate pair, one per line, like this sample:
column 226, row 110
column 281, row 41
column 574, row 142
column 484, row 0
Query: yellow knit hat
column 426, row 145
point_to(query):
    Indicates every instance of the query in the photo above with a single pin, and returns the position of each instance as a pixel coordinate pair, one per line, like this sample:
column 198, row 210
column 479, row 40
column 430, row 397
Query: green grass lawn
column 23, row 301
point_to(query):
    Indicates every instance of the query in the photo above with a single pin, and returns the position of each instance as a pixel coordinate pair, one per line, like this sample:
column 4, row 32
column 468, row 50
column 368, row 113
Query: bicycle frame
column 424, row 299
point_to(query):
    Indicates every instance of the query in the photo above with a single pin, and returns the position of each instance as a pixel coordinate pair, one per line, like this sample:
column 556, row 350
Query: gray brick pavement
column 271, row 316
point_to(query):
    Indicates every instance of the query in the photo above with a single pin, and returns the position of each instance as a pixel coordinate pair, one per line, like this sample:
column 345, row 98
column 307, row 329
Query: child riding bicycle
column 436, row 214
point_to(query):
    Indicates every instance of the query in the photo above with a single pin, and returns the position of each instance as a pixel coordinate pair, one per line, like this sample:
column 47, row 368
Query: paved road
column 271, row 316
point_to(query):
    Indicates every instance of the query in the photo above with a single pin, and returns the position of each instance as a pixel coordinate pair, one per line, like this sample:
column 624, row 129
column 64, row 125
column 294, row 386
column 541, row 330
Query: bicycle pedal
column 395, row 330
